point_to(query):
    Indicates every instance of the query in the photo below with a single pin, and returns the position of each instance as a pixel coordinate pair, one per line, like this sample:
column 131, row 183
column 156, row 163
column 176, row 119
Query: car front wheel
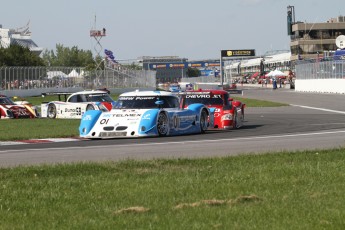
column 90, row 107
column 51, row 111
column 203, row 121
column 163, row 124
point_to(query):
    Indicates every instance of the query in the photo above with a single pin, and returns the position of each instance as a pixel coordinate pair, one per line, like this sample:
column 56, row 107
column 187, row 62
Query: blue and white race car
column 146, row 113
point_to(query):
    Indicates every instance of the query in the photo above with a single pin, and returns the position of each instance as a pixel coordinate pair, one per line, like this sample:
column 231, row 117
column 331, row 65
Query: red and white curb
column 37, row 141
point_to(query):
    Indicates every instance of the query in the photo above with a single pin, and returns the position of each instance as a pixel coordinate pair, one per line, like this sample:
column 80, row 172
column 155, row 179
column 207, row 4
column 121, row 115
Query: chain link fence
column 26, row 78
column 314, row 69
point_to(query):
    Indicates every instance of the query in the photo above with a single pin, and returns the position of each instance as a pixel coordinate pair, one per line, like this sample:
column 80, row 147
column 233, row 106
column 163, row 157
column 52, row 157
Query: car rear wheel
column 90, row 107
column 162, row 124
column 234, row 119
column 51, row 111
column 203, row 121
column 238, row 120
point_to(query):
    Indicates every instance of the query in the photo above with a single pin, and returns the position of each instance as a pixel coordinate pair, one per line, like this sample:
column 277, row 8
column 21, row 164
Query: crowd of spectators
column 33, row 84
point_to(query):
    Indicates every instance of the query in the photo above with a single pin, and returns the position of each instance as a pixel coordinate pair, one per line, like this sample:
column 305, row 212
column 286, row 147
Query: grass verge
column 259, row 103
column 301, row 190
column 22, row 129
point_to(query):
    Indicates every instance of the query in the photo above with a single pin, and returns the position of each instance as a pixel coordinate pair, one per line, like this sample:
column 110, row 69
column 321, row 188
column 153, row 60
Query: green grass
column 23, row 129
column 302, row 190
column 258, row 103
column 20, row 129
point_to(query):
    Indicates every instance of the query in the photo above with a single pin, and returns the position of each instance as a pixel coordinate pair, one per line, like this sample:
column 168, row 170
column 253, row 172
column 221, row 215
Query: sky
column 193, row 29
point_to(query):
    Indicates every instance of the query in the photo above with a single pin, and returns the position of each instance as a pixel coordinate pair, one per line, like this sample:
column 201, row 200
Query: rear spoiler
column 60, row 94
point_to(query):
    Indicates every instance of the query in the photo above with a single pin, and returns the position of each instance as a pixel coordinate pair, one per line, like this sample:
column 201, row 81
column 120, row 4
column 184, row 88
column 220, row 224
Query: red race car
column 229, row 114
column 9, row 109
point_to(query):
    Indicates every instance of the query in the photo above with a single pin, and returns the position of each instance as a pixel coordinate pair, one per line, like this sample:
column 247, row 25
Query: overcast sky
column 193, row 29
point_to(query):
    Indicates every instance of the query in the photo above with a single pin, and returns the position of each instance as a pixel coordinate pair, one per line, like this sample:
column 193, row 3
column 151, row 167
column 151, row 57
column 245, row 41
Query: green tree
column 16, row 55
column 70, row 57
column 193, row 72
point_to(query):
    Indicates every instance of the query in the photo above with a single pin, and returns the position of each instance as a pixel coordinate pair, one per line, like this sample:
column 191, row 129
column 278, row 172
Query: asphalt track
column 311, row 122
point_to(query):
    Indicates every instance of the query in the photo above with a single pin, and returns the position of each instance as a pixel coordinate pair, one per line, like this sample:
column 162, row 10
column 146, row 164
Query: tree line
column 16, row 55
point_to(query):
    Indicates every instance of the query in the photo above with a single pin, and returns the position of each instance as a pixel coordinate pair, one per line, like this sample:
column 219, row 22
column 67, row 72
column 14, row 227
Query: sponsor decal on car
column 127, row 115
column 176, row 121
column 188, row 118
column 87, row 118
column 146, row 117
column 76, row 111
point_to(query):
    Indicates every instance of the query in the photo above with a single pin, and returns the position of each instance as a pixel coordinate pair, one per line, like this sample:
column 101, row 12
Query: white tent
column 276, row 73
column 57, row 74
column 74, row 73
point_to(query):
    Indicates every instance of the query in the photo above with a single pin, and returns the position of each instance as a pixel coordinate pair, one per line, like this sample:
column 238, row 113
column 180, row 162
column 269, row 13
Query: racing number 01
column 104, row 121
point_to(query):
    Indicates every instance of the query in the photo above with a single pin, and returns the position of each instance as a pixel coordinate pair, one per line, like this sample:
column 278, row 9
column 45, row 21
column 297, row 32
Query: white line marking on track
column 322, row 109
column 37, row 141
column 187, row 142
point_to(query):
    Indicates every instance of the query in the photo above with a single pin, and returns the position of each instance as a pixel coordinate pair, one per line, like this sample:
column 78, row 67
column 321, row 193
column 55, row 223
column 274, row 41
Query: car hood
column 123, row 116
column 18, row 110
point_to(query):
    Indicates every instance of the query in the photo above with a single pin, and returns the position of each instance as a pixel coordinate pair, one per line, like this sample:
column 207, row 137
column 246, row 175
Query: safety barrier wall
column 321, row 85
column 321, row 77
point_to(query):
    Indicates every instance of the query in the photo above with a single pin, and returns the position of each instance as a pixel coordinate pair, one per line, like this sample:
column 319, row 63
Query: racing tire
column 90, row 107
column 234, row 119
column 237, row 123
column 162, row 124
column 51, row 113
column 203, row 121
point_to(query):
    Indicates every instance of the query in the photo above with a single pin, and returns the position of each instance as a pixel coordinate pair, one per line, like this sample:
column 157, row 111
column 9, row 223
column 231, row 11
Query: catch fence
column 26, row 78
column 314, row 69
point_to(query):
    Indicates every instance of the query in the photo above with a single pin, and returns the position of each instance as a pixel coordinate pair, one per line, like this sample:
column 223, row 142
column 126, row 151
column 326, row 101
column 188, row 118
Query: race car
column 75, row 105
column 175, row 88
column 229, row 114
column 29, row 105
column 144, row 114
column 9, row 109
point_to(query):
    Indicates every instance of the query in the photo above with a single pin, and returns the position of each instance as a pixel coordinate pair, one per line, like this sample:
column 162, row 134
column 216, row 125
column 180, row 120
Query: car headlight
column 227, row 116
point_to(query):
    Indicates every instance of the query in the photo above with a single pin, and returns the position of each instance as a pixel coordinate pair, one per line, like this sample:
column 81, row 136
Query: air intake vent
column 121, row 128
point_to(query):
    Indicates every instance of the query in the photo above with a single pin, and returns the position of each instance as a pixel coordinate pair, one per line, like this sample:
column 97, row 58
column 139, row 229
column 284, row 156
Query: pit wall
column 321, row 85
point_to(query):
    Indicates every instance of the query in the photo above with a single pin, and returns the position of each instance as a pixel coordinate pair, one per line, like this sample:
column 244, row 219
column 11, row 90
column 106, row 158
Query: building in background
column 313, row 40
column 259, row 66
column 174, row 68
column 20, row 36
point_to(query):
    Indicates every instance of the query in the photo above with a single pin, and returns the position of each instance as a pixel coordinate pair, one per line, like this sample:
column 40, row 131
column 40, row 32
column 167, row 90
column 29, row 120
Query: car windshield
column 205, row 99
column 6, row 101
column 98, row 98
column 146, row 102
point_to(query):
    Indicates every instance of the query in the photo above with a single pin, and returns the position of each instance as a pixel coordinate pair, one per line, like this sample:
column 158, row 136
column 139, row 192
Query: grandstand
column 20, row 36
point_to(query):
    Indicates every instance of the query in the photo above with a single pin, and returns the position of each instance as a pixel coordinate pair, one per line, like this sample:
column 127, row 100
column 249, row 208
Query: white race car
column 75, row 105
column 146, row 113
